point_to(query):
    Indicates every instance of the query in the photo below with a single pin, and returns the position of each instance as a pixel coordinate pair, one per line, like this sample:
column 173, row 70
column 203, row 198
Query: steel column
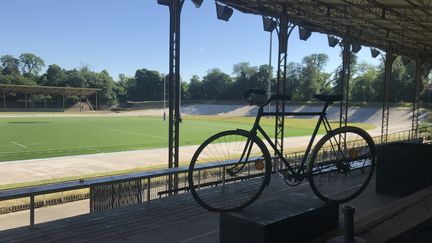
column 175, row 8
column 285, row 29
column 388, row 66
column 346, row 73
column 270, row 69
column 416, row 100
column 4, row 101
column 97, row 107
column 25, row 101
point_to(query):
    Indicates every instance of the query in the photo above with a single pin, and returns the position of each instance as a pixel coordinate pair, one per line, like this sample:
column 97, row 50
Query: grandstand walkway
column 171, row 219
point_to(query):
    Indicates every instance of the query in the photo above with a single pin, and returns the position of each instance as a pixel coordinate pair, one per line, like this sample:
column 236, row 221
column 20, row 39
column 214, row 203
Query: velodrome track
column 41, row 169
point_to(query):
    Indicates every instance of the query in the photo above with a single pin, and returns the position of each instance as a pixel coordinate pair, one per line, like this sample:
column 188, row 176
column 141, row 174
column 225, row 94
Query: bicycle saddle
column 328, row 98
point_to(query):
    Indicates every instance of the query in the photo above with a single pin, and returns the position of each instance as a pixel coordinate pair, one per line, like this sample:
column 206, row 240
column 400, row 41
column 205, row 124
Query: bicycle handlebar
column 252, row 93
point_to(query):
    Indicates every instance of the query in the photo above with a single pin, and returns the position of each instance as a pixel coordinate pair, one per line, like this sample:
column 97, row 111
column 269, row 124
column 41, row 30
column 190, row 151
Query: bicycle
column 231, row 168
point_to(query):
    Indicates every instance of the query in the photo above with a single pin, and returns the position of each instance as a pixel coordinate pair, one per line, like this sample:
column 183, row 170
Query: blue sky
column 123, row 36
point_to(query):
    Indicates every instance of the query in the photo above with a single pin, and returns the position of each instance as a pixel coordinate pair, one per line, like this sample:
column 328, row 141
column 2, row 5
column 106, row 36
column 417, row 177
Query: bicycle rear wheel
column 342, row 164
column 229, row 171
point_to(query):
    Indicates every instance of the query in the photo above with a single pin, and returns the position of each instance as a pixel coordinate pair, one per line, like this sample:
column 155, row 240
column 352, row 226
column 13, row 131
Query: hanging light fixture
column 223, row 12
column 374, row 52
column 269, row 24
column 356, row 47
column 304, row 33
column 332, row 41
column 164, row 2
column 197, row 3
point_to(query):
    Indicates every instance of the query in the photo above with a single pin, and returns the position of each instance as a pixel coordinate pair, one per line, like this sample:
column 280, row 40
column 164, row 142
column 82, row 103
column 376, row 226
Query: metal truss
column 175, row 7
column 346, row 72
column 388, row 64
column 285, row 28
column 401, row 26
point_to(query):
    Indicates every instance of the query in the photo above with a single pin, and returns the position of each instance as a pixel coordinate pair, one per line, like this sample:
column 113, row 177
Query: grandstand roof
column 48, row 90
column 403, row 26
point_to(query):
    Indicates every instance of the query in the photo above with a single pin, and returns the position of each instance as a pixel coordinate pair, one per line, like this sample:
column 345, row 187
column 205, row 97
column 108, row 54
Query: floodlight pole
column 388, row 65
column 285, row 29
column 175, row 7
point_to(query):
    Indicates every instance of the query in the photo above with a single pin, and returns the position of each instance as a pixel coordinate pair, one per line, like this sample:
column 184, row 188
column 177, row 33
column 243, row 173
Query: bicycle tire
column 340, row 176
column 219, row 183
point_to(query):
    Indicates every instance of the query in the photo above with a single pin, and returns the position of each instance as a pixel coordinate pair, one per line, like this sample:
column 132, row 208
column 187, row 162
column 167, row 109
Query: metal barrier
column 115, row 191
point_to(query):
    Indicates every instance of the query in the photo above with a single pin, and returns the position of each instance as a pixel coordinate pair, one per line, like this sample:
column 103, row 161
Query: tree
column 10, row 65
column 259, row 80
column 196, row 88
column 31, row 64
column 216, row 85
column 294, row 76
column 147, row 85
column 313, row 80
column 244, row 69
column 362, row 86
column 54, row 76
column 338, row 77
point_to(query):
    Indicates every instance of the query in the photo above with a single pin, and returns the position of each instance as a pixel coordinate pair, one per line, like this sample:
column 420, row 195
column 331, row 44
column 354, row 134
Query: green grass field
column 30, row 138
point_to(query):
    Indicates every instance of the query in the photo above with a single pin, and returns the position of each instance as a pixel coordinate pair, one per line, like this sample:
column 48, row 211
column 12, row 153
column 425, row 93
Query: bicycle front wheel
column 342, row 164
column 229, row 171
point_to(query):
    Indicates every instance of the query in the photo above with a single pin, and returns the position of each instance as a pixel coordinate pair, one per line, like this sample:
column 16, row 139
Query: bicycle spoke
column 339, row 172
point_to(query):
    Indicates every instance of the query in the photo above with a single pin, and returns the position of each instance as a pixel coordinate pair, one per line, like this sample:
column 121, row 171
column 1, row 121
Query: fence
column 115, row 191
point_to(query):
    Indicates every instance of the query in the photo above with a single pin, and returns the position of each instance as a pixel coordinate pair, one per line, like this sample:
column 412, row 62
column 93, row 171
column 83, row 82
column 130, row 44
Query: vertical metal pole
column 270, row 69
column 164, row 93
column 25, row 101
column 148, row 189
column 32, row 210
column 346, row 61
column 416, row 100
column 348, row 212
column 97, row 106
column 63, row 101
column 80, row 105
column 4, row 101
column 45, row 101
column 388, row 65
column 91, row 204
column 284, row 32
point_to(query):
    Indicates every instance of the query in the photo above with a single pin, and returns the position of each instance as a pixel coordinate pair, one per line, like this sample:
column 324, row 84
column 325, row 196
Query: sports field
column 40, row 137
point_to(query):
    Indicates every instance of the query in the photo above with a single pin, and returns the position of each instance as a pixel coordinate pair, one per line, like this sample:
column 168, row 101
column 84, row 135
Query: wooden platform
column 173, row 219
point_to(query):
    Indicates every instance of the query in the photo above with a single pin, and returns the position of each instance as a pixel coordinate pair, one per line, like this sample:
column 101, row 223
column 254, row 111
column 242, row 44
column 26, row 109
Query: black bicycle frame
column 322, row 119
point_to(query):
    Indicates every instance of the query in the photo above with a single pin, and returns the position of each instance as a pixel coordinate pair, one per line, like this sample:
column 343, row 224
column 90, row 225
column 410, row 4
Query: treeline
column 303, row 80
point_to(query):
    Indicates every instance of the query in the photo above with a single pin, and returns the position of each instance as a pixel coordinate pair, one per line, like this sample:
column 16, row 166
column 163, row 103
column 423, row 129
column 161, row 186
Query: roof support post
column 175, row 7
column 388, row 65
column 346, row 73
column 45, row 102
column 25, row 101
column 4, row 101
column 416, row 100
column 63, row 102
column 284, row 32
